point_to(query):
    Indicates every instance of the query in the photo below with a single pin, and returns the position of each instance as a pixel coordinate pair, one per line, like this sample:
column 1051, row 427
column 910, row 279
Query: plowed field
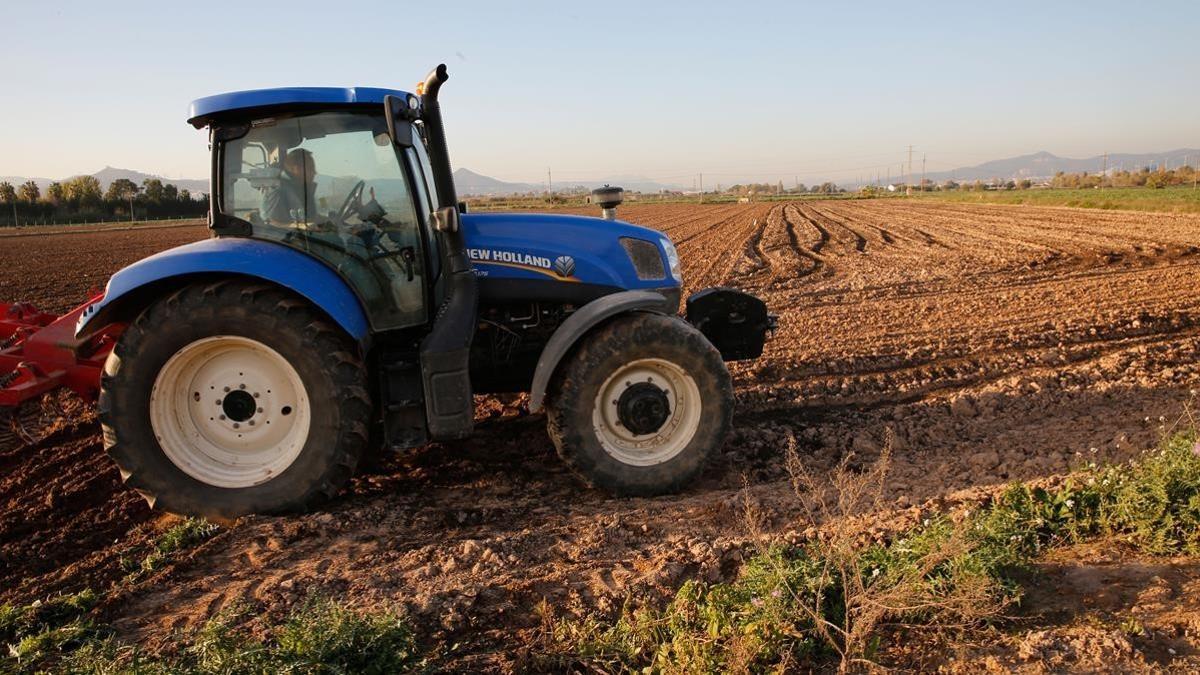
column 995, row 343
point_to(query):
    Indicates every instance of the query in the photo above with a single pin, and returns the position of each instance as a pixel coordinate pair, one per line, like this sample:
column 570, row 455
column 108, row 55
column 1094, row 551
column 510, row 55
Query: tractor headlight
column 647, row 261
column 672, row 259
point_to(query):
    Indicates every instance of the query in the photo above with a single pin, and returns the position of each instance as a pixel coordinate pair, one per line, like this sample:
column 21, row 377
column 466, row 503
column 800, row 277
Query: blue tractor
column 347, row 303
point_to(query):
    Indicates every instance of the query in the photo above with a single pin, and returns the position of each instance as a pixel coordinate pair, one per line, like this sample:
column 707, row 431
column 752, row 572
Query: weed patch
column 832, row 598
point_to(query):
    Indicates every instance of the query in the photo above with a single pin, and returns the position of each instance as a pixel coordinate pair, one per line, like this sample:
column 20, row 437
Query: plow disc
column 39, row 354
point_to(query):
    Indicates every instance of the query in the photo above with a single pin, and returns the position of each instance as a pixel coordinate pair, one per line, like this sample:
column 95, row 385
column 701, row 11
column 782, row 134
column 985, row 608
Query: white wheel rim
column 675, row 433
column 204, row 425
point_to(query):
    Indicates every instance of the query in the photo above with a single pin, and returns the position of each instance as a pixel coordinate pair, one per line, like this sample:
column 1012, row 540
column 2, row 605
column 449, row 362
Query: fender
column 578, row 324
column 135, row 286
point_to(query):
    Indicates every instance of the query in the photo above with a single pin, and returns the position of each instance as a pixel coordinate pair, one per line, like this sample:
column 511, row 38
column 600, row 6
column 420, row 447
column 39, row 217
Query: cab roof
column 205, row 110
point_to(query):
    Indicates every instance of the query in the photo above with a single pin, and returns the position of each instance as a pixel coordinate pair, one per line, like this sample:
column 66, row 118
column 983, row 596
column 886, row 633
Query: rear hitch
column 736, row 323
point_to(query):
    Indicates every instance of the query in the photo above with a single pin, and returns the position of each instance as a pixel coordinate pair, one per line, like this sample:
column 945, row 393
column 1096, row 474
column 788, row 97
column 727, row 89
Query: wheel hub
column 643, row 408
column 239, row 405
column 230, row 411
column 646, row 412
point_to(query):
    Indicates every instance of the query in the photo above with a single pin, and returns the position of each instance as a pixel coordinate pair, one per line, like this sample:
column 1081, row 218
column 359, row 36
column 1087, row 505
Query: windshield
column 333, row 185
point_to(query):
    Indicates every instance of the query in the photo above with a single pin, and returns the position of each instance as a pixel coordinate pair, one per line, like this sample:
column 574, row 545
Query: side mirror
column 399, row 114
column 446, row 219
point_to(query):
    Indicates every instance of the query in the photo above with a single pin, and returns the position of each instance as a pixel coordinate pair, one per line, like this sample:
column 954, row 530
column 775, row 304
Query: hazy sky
column 736, row 90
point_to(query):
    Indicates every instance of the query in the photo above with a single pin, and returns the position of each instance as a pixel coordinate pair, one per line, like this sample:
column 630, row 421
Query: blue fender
column 578, row 324
column 254, row 258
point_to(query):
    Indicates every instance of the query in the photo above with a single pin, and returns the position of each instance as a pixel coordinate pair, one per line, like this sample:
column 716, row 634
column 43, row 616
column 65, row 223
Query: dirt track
column 997, row 343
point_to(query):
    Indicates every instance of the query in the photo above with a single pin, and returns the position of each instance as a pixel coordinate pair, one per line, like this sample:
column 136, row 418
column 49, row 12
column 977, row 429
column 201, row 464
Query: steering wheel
column 353, row 201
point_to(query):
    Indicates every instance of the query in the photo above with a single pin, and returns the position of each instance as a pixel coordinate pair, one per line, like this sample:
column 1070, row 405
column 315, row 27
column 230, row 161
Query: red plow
column 40, row 354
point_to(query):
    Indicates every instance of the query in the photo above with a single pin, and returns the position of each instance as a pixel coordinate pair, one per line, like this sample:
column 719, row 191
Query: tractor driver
column 292, row 201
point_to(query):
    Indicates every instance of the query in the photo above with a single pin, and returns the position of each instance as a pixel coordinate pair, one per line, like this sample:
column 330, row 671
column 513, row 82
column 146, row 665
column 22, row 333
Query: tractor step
column 403, row 397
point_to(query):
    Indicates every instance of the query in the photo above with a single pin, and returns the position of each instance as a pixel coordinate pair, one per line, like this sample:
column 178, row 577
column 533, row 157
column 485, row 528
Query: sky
column 737, row 91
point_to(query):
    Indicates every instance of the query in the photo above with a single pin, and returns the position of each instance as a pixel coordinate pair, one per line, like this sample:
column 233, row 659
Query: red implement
column 40, row 353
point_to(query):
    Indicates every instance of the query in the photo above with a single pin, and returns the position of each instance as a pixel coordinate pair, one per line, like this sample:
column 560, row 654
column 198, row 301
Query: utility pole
column 922, row 172
column 701, row 187
column 131, row 207
column 908, row 187
column 1104, row 171
column 549, row 182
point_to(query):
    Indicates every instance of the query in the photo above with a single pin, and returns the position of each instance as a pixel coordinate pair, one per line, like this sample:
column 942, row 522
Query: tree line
column 82, row 199
column 1156, row 177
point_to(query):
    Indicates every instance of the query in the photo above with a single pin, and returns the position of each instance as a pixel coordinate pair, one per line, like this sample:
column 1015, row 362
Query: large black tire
column 323, row 356
column 572, row 401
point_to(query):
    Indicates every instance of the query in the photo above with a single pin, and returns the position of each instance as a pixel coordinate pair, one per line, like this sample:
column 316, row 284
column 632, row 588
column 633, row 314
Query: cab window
column 332, row 184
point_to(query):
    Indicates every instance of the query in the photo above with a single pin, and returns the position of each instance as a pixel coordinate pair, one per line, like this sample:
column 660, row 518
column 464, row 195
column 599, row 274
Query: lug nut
column 227, row 390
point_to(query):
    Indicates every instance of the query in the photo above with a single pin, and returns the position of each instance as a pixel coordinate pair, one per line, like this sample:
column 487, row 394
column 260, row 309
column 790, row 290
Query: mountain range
column 1044, row 165
column 469, row 183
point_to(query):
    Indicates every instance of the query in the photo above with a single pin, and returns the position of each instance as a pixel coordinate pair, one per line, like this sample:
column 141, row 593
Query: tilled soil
column 996, row 343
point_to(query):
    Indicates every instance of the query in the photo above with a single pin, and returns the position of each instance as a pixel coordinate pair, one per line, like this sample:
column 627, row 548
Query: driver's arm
column 274, row 207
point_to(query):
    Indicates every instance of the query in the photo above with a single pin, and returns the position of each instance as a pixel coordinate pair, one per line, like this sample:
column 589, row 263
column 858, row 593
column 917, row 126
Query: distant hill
column 1044, row 165
column 109, row 174
column 469, row 183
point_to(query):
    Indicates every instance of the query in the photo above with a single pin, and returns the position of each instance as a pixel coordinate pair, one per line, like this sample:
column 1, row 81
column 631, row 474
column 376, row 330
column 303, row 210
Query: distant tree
column 950, row 185
column 8, row 194
column 170, row 193
column 56, row 194
column 801, row 188
column 29, row 192
column 83, row 190
column 185, row 195
column 121, row 190
column 1010, row 185
column 1024, row 184
column 152, row 188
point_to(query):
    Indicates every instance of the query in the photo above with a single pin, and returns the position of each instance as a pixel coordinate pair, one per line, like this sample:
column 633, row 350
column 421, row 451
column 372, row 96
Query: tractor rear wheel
column 234, row 397
column 640, row 405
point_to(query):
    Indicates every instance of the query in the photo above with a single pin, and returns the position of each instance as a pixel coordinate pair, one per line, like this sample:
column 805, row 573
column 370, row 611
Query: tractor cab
column 333, row 184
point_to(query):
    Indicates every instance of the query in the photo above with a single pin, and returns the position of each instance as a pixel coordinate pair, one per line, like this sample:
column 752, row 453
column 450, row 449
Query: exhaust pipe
column 609, row 198
column 445, row 351
column 443, row 175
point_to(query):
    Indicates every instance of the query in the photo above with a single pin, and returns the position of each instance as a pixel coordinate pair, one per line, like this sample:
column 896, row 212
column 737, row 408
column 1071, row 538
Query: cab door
column 335, row 186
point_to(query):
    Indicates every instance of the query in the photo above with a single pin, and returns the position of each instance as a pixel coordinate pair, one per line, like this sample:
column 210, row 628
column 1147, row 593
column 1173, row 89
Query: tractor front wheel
column 228, row 398
column 640, row 405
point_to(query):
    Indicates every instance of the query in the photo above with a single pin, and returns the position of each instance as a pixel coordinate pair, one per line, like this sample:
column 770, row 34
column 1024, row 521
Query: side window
column 426, row 168
column 333, row 185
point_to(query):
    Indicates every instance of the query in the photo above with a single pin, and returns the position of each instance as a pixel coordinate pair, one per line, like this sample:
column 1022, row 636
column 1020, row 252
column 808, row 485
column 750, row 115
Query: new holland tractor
column 347, row 303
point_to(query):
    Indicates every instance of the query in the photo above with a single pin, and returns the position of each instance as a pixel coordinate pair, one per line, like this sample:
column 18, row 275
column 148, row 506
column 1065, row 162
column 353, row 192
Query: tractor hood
column 555, row 253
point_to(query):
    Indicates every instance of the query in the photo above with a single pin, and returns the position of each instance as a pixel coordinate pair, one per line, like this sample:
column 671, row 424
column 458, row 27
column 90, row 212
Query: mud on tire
column 323, row 357
column 574, row 421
